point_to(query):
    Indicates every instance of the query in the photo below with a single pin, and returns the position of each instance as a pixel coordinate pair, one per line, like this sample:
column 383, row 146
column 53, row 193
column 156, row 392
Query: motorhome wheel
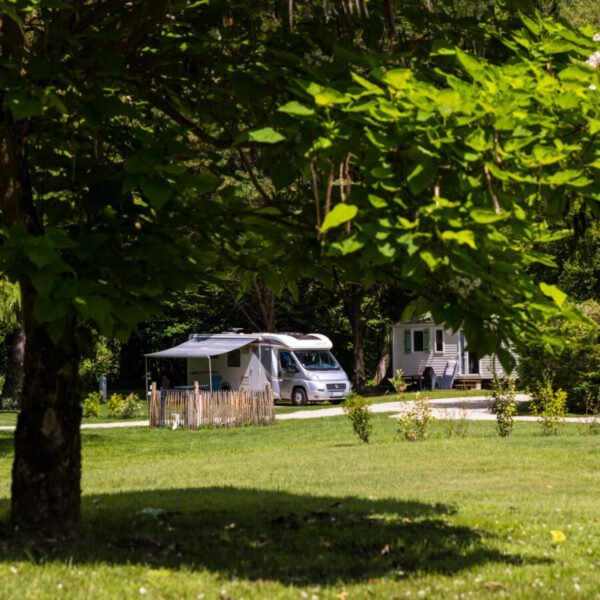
column 299, row 397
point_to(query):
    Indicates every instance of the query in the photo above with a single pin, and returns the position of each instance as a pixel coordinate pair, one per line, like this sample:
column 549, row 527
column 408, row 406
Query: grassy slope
column 302, row 507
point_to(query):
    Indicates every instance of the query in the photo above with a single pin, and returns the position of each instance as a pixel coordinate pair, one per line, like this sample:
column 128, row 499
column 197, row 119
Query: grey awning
column 203, row 346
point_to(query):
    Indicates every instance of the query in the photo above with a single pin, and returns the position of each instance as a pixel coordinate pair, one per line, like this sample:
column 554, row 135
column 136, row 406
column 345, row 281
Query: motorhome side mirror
column 292, row 369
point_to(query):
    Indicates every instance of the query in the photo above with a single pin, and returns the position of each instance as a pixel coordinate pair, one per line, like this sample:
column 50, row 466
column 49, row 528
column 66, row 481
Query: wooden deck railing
column 197, row 408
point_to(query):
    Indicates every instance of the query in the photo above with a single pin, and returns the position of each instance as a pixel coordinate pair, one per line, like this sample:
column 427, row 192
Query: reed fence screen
column 195, row 408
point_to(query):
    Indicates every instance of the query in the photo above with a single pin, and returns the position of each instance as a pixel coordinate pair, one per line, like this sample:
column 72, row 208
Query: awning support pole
column 209, row 374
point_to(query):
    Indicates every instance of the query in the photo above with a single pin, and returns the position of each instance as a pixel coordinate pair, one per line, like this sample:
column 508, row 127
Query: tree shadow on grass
column 268, row 535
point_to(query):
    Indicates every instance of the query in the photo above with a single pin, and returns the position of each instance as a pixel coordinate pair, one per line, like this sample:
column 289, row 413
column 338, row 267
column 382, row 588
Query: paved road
column 473, row 408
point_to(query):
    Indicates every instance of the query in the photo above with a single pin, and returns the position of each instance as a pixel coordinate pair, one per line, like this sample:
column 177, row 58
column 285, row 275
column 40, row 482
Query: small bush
column 457, row 427
column 91, row 405
column 504, row 404
column 398, row 383
column 357, row 409
column 592, row 412
column 550, row 406
column 122, row 407
column 416, row 421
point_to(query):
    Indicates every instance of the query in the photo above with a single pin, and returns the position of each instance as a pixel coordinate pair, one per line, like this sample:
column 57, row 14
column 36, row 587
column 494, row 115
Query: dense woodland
column 172, row 167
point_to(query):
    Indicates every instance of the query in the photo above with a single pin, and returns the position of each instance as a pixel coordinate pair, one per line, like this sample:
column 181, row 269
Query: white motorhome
column 297, row 367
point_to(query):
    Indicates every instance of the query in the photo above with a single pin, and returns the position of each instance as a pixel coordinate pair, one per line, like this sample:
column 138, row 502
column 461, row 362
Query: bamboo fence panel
column 200, row 408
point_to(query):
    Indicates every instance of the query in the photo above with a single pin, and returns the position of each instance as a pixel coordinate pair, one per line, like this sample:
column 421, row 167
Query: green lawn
column 302, row 510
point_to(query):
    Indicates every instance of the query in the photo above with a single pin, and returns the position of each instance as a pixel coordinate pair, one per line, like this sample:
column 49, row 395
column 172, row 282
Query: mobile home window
column 234, row 358
column 439, row 340
column 418, row 340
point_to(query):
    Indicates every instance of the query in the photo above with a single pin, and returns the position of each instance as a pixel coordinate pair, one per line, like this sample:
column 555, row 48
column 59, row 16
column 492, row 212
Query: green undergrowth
column 302, row 509
column 9, row 417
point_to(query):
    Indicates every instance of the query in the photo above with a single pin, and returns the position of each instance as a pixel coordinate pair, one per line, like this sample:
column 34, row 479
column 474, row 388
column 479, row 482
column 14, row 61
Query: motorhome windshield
column 317, row 360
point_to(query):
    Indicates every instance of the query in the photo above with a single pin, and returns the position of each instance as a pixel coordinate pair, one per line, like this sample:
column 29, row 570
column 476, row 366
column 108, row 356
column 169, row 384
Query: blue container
column 216, row 382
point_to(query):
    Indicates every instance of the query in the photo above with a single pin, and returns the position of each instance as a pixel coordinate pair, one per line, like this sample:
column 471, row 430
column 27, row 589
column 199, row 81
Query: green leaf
column 43, row 281
column 472, row 65
column 442, row 48
column 484, row 217
column 341, row 213
column 421, row 176
column 431, row 261
column 21, row 106
column 97, row 309
column 266, row 135
column 347, row 245
column 56, row 330
column 553, row 292
column 398, row 78
column 297, row 109
column 562, row 177
column 47, row 310
column 367, row 85
column 325, row 96
column 377, row 202
column 529, row 23
column 462, row 237
column 40, row 251
column 157, row 191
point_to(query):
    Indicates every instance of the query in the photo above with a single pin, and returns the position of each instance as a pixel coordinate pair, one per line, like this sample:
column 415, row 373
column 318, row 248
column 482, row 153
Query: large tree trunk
column 353, row 299
column 47, row 466
column 13, row 383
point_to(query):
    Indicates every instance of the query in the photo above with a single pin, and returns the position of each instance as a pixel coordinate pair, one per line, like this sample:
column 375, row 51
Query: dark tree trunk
column 13, row 383
column 47, row 466
column 353, row 295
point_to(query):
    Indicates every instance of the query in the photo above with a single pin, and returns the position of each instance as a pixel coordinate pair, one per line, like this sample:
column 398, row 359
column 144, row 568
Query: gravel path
column 472, row 408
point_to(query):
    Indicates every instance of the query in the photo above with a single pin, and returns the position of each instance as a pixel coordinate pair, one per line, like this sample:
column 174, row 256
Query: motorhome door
column 287, row 373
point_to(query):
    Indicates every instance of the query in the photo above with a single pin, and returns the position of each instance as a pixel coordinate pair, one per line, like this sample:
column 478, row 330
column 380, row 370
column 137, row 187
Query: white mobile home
column 426, row 350
column 295, row 366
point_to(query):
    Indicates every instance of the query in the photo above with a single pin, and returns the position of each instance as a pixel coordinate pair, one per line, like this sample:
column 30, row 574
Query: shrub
column 123, row 407
column 357, row 409
column 91, row 405
column 549, row 405
column 101, row 359
column 457, row 427
column 398, row 383
column 415, row 422
column 504, row 404
column 573, row 365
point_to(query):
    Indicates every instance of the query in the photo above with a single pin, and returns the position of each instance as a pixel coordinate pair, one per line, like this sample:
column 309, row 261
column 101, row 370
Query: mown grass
column 301, row 509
